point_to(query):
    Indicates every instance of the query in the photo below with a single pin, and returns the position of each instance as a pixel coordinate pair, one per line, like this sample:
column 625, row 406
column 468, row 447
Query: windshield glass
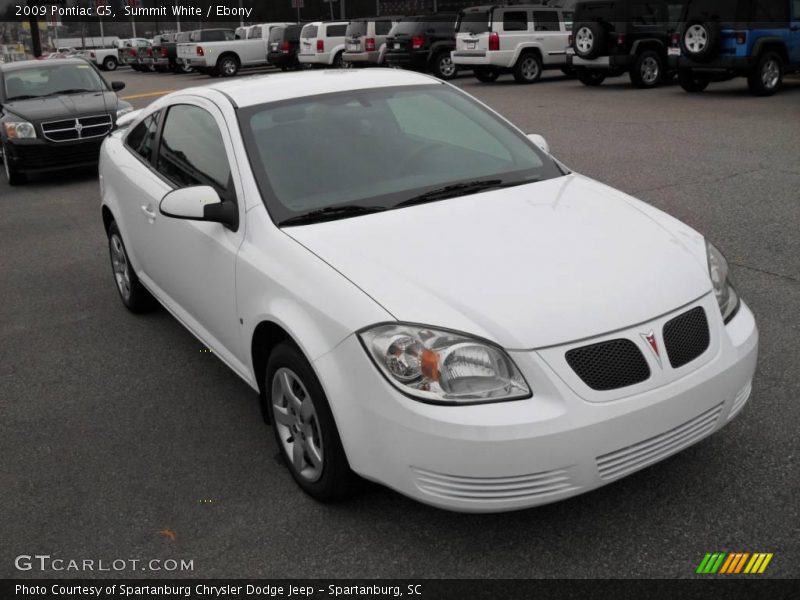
column 46, row 80
column 380, row 147
column 474, row 22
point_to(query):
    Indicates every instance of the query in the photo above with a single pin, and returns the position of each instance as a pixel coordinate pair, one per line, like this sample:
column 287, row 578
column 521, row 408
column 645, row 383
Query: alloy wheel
column 770, row 74
column 584, row 40
column 297, row 424
column 650, row 70
column 530, row 68
column 696, row 39
column 229, row 67
column 446, row 66
column 119, row 262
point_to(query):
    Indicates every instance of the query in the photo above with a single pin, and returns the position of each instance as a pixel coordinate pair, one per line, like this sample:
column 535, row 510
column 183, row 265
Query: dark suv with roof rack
column 610, row 38
column 424, row 43
column 723, row 39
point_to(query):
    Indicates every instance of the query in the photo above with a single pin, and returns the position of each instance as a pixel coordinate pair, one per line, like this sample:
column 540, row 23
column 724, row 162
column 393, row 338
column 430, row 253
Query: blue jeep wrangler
column 723, row 39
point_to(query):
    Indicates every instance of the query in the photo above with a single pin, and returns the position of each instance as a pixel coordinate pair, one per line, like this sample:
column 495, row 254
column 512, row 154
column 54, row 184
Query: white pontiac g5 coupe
column 421, row 295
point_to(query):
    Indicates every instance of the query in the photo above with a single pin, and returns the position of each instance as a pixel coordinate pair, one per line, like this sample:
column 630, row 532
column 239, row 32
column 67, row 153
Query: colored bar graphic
column 734, row 562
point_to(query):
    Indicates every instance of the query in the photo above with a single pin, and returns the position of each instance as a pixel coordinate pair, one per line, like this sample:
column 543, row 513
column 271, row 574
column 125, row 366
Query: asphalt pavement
column 121, row 439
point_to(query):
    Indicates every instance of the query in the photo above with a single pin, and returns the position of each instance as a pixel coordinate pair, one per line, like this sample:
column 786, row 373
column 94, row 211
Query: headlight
column 19, row 130
column 124, row 111
column 443, row 367
column 727, row 298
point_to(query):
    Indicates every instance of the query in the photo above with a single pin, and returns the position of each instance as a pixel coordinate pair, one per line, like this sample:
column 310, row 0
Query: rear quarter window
column 336, row 30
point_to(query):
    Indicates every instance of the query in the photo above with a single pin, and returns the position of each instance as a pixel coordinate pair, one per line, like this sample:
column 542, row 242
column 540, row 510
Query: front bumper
column 557, row 444
column 37, row 156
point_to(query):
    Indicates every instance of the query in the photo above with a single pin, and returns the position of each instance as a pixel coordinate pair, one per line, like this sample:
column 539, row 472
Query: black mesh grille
column 609, row 365
column 686, row 337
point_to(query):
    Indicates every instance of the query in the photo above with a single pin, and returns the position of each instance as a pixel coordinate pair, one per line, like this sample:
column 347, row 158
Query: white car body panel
column 250, row 52
column 537, row 268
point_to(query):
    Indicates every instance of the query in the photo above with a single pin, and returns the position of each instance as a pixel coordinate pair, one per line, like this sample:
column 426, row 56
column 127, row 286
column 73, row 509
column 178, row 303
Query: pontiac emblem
column 652, row 343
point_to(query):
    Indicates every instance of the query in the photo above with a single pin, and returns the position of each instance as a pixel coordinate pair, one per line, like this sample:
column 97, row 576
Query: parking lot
column 122, row 438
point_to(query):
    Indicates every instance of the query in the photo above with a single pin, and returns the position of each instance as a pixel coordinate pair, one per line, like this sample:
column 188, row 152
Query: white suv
column 322, row 43
column 522, row 39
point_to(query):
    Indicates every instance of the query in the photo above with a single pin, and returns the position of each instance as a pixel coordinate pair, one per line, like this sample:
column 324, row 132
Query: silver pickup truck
column 224, row 57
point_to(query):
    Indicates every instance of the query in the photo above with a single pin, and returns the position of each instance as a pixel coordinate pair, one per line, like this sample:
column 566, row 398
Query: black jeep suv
column 610, row 38
column 723, row 39
column 424, row 44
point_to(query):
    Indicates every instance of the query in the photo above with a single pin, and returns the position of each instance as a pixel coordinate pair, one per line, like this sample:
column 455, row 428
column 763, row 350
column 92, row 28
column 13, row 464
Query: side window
column 337, row 30
column 545, row 20
column 255, row 33
column 192, row 151
column 142, row 138
column 383, row 27
column 515, row 20
column 645, row 14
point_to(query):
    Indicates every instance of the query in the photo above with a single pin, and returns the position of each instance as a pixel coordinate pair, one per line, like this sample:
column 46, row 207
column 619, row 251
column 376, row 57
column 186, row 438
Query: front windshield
column 49, row 80
column 380, row 147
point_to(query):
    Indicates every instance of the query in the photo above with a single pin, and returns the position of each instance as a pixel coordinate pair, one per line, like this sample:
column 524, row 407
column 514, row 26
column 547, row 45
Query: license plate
column 397, row 46
column 471, row 44
column 673, row 52
column 353, row 47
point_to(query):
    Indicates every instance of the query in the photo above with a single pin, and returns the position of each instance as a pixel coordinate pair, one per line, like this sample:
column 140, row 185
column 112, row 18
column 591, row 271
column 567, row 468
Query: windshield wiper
column 462, row 189
column 331, row 213
column 22, row 97
column 71, row 91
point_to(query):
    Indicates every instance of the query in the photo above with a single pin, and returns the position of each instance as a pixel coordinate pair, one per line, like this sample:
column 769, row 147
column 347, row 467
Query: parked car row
column 699, row 41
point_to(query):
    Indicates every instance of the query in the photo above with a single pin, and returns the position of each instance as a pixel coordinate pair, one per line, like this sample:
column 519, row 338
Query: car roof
column 259, row 89
column 23, row 64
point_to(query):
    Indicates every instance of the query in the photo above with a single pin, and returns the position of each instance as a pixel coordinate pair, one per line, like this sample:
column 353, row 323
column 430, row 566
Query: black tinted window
column 383, row 27
column 142, row 138
column 192, row 151
column 515, row 21
column 217, row 35
column 336, row 30
column 645, row 14
column 474, row 22
column 545, row 20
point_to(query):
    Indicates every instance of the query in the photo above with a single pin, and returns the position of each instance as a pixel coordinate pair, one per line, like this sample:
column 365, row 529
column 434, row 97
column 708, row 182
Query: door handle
column 148, row 211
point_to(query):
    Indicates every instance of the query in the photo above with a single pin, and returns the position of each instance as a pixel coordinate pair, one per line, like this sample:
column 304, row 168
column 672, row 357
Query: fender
column 654, row 41
column 334, row 52
column 437, row 47
column 763, row 41
column 527, row 46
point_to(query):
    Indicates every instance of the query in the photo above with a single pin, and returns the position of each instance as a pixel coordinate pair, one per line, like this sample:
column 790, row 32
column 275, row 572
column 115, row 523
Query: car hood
column 527, row 267
column 64, row 106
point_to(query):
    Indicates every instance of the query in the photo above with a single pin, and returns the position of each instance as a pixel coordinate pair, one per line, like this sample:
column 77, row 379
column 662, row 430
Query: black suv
column 424, row 43
column 723, row 39
column 283, row 47
column 611, row 38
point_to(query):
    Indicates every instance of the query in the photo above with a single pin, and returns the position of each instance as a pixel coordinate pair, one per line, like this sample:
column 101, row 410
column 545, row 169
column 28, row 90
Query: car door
column 794, row 34
column 549, row 34
column 192, row 263
column 515, row 30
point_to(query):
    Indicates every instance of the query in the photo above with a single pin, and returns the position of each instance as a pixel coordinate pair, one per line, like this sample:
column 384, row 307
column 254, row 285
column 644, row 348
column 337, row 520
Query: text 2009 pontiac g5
column 455, row 315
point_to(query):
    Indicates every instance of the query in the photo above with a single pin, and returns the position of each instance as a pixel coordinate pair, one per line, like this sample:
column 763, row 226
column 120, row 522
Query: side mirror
column 540, row 142
column 199, row 203
column 117, row 85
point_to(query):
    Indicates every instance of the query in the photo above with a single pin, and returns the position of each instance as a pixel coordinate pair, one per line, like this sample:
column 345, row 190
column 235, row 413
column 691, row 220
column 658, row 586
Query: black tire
column 338, row 61
column 700, row 40
column 590, row 77
column 13, row 175
column 692, row 82
column 486, row 75
column 647, row 70
column 332, row 479
column 227, row 66
column 528, row 68
column 589, row 40
column 766, row 78
column 110, row 64
column 442, row 66
column 133, row 294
